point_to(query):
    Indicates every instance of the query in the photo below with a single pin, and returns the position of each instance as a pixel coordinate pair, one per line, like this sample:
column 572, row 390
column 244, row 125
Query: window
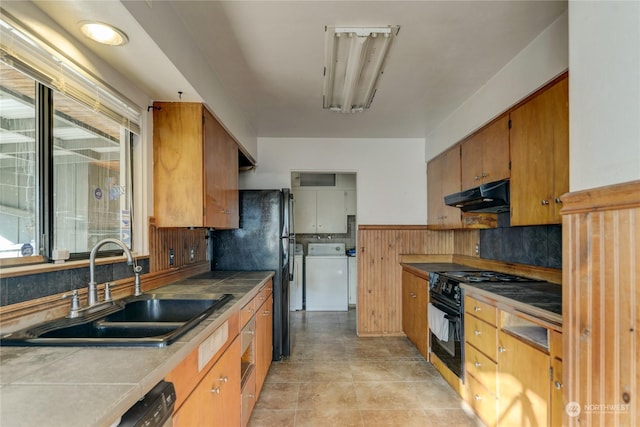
column 65, row 152
column 18, row 179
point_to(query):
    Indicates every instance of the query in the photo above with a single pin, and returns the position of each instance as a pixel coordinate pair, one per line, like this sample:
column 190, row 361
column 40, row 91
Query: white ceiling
column 269, row 56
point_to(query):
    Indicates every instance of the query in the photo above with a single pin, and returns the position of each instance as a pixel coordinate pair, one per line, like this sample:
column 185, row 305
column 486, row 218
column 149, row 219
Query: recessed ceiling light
column 103, row 33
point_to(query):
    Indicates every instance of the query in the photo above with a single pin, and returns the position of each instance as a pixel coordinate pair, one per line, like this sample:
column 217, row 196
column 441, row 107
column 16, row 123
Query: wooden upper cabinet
column 443, row 178
column 540, row 156
column 195, row 168
column 485, row 154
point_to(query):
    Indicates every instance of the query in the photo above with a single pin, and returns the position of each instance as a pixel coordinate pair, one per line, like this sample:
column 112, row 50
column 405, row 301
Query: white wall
column 604, row 93
column 542, row 60
column 391, row 173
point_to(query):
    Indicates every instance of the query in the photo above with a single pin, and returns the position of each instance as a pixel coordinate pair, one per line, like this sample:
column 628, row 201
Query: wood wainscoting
column 181, row 240
column 601, row 296
column 380, row 274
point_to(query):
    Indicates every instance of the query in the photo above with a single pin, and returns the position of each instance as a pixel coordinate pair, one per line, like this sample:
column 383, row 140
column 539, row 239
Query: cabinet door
column 216, row 400
column 443, row 178
column 557, row 404
column 539, row 130
column 452, row 217
column 495, row 150
column 331, row 215
column 414, row 311
column 471, row 161
column 178, row 164
column 434, row 191
column 523, row 383
column 305, row 211
column 264, row 342
column 350, row 203
column 408, row 302
column 221, row 185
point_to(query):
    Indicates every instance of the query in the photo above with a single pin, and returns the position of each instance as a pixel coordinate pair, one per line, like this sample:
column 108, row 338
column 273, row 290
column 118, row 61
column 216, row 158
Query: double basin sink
column 154, row 320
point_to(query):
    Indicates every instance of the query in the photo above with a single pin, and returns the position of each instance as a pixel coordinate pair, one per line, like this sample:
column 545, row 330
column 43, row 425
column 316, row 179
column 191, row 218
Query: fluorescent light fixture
column 355, row 59
column 103, row 33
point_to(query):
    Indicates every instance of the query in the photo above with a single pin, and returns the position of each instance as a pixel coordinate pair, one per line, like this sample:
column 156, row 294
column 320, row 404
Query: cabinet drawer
column 481, row 310
column 262, row 296
column 248, row 398
column 482, row 401
column 481, row 335
column 247, row 312
column 481, row 367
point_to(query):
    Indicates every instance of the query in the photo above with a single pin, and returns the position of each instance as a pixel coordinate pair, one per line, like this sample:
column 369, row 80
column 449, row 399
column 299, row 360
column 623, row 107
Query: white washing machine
column 295, row 286
column 326, row 277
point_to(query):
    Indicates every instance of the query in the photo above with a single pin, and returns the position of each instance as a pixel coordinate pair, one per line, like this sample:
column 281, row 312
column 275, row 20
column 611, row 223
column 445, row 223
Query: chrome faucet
column 92, row 298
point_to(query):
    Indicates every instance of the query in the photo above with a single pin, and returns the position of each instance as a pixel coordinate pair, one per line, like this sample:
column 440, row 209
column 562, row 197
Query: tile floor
column 334, row 378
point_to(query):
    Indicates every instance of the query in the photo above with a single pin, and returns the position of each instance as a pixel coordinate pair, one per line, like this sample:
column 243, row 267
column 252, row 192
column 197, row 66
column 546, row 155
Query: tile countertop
column 94, row 386
column 542, row 300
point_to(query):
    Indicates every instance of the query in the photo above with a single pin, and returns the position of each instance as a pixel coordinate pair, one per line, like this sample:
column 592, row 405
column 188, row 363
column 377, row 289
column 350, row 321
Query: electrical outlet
column 192, row 255
column 172, row 258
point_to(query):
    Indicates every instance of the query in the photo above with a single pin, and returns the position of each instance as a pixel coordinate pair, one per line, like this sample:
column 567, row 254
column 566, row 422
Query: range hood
column 491, row 197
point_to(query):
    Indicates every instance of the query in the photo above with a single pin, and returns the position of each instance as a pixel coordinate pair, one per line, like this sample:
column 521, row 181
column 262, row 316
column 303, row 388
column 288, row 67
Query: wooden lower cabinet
column 216, row 399
column 483, row 402
column 264, row 344
column 249, row 398
column 224, row 391
column 523, row 383
column 509, row 381
column 415, row 297
column 480, row 359
column 557, row 402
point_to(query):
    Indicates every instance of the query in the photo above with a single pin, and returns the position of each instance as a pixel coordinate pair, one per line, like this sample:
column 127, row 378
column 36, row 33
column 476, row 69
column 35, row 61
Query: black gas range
column 445, row 295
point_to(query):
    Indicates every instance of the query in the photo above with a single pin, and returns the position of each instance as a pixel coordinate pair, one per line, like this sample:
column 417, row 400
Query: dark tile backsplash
column 23, row 288
column 539, row 245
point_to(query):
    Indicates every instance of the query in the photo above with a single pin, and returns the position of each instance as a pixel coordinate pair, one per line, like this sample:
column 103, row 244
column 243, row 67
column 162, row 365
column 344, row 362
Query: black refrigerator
column 264, row 241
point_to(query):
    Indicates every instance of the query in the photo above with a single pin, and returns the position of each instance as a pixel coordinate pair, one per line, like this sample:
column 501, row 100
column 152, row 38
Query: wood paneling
column 181, row 240
column 380, row 272
column 601, row 270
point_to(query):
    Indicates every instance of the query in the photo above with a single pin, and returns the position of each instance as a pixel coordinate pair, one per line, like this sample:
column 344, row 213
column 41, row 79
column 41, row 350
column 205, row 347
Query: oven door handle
column 447, row 311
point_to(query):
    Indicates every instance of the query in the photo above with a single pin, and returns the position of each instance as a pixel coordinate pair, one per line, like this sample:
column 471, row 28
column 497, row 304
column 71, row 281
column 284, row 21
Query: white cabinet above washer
column 320, row 211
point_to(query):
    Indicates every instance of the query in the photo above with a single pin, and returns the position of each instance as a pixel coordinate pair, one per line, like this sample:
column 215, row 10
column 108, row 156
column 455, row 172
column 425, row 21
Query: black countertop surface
column 539, row 299
column 542, row 295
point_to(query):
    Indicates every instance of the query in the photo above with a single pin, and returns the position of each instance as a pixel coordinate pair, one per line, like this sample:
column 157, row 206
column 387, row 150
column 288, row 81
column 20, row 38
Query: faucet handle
column 75, row 303
column 137, row 287
column 107, row 292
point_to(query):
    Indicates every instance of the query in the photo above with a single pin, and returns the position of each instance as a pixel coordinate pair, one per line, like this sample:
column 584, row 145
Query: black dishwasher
column 155, row 409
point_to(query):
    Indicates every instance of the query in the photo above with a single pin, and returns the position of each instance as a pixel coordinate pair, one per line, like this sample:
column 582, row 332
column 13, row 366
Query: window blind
column 37, row 58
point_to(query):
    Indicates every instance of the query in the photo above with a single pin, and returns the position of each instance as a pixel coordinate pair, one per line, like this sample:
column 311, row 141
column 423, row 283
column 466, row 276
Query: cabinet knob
column 557, row 384
column 267, row 312
column 484, row 174
column 475, row 178
column 412, row 294
column 477, row 397
column 224, row 379
column 501, row 349
column 476, row 308
column 544, row 202
column 476, row 332
column 558, row 200
column 215, row 390
column 477, row 364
